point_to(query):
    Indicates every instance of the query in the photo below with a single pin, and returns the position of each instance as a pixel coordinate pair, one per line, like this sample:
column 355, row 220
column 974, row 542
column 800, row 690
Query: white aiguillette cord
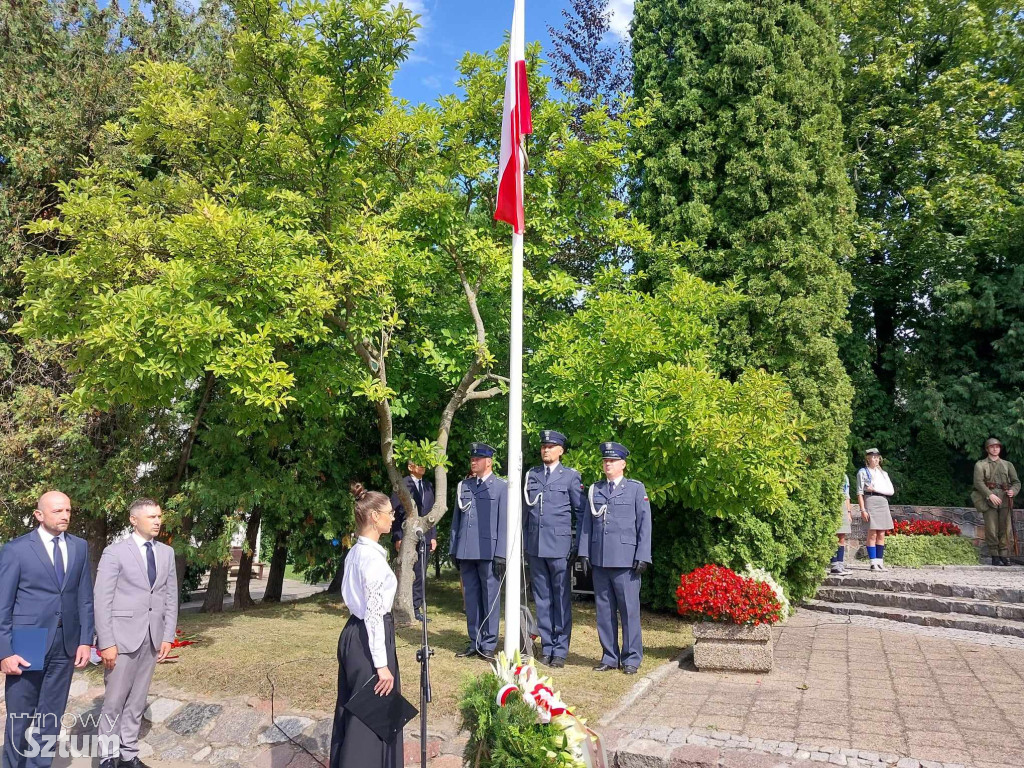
column 590, row 497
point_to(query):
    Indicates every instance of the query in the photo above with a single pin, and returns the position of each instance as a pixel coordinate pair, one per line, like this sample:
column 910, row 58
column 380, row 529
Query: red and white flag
column 515, row 122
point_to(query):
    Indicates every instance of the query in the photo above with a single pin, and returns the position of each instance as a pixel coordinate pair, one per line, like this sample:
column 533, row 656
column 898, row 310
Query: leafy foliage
column 934, row 130
column 916, row 551
column 742, row 159
column 719, row 458
column 67, row 69
column 508, row 736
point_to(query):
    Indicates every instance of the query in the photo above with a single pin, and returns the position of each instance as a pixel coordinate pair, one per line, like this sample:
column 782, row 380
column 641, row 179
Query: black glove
column 639, row 567
column 499, row 567
column 458, row 563
column 584, row 564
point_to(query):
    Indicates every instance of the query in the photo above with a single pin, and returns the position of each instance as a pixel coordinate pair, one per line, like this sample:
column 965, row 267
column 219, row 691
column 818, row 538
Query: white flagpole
column 514, row 509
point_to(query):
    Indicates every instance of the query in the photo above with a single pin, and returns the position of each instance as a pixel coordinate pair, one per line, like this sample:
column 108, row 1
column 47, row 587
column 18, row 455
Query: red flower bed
column 714, row 593
column 925, row 528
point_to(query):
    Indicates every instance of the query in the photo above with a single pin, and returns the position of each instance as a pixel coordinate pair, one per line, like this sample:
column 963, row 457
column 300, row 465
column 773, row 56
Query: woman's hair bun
column 357, row 490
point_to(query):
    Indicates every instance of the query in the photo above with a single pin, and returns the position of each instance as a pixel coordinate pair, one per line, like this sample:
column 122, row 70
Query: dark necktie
column 151, row 563
column 417, row 494
column 58, row 562
column 547, row 474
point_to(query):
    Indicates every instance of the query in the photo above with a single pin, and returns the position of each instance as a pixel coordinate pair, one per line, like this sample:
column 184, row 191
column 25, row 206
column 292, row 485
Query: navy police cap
column 613, row 451
column 550, row 437
column 481, row 449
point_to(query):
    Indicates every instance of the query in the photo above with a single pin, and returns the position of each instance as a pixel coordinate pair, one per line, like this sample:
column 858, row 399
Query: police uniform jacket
column 621, row 531
column 396, row 504
column 547, row 521
column 478, row 523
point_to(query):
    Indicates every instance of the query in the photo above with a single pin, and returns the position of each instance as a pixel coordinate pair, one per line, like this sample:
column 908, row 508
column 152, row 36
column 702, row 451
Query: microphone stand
column 425, row 652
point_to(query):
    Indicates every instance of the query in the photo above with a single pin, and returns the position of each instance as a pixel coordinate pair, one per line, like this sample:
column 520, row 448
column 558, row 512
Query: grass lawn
column 296, row 643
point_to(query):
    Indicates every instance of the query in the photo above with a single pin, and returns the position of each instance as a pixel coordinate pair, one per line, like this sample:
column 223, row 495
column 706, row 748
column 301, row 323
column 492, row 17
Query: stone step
column 922, row 602
column 922, row 618
column 997, row 594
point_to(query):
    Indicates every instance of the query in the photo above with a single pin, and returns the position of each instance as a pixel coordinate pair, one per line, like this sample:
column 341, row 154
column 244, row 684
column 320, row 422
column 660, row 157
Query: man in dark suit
column 478, row 547
column 422, row 492
column 45, row 583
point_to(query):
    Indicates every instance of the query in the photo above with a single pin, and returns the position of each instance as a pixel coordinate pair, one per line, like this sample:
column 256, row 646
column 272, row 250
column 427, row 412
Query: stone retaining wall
column 972, row 526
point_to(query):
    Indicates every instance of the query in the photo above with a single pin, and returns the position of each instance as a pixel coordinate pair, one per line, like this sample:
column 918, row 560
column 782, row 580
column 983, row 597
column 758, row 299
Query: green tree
column 285, row 230
column 742, row 156
column 934, row 130
column 67, row 70
column 720, row 457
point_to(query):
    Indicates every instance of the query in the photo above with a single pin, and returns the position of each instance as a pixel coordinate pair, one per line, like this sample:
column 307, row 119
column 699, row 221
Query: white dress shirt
column 368, row 589
column 141, row 544
column 47, row 539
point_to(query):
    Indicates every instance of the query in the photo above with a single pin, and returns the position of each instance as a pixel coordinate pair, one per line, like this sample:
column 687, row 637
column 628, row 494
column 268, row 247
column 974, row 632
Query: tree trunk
column 278, row 561
column 216, row 590
column 96, row 535
column 243, row 599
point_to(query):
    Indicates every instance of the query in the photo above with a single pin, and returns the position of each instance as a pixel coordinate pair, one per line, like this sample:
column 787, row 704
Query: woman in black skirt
column 366, row 648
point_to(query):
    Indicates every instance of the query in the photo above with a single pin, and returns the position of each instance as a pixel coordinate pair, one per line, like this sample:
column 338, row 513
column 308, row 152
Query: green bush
column 505, row 737
column 915, row 551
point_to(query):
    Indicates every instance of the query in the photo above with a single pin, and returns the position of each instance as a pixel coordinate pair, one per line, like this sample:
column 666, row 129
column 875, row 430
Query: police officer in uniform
column 422, row 492
column 553, row 497
column 478, row 549
column 616, row 541
column 995, row 485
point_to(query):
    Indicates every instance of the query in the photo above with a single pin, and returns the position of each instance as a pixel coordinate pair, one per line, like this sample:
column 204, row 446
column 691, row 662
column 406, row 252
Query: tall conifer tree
column 743, row 157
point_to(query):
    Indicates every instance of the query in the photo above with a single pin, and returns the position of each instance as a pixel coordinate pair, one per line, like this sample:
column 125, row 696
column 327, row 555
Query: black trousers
column 417, row 582
column 354, row 745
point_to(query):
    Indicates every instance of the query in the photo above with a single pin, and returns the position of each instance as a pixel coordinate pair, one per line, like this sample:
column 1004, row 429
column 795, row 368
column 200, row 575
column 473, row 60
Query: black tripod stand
column 425, row 652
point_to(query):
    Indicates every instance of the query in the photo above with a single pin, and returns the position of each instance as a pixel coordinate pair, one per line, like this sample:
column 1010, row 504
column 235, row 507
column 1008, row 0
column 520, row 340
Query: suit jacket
column 478, row 523
column 31, row 597
column 547, row 521
column 128, row 610
column 622, row 533
column 428, row 503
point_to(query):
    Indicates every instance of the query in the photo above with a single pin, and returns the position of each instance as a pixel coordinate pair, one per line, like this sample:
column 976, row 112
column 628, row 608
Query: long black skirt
column 353, row 744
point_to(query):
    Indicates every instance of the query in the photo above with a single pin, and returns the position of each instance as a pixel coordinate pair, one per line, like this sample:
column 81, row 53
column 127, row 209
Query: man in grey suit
column 136, row 606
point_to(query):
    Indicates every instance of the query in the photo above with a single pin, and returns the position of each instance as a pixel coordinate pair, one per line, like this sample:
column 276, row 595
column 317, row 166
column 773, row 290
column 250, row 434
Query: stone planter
column 732, row 647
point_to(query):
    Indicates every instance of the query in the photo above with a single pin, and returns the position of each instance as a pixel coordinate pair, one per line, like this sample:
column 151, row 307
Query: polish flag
column 515, row 122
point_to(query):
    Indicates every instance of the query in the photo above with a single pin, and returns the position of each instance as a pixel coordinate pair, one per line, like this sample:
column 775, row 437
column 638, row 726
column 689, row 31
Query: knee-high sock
column 880, row 549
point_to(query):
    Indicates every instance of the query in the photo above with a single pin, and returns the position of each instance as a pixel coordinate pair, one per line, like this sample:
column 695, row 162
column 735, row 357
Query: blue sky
column 452, row 27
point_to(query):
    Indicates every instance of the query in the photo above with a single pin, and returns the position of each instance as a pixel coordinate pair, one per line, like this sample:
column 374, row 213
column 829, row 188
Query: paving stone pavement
column 843, row 692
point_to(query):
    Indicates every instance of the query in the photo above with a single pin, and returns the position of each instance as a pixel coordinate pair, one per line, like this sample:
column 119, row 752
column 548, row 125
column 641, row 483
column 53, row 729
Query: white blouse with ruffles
column 368, row 589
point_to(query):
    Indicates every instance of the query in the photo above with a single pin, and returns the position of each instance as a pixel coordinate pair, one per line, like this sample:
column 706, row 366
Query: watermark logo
column 60, row 742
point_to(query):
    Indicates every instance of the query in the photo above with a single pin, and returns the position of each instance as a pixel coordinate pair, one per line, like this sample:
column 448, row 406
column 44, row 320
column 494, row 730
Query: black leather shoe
column 629, row 670
column 110, row 762
column 557, row 662
column 545, row 660
column 419, row 616
column 604, row 668
column 468, row 653
column 996, row 560
column 1004, row 561
column 133, row 763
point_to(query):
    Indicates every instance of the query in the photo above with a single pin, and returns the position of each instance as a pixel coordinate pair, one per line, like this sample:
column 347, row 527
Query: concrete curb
column 642, row 685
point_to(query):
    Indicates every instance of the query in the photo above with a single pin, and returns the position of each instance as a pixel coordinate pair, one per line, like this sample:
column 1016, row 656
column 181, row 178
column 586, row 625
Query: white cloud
column 621, row 16
column 432, row 81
